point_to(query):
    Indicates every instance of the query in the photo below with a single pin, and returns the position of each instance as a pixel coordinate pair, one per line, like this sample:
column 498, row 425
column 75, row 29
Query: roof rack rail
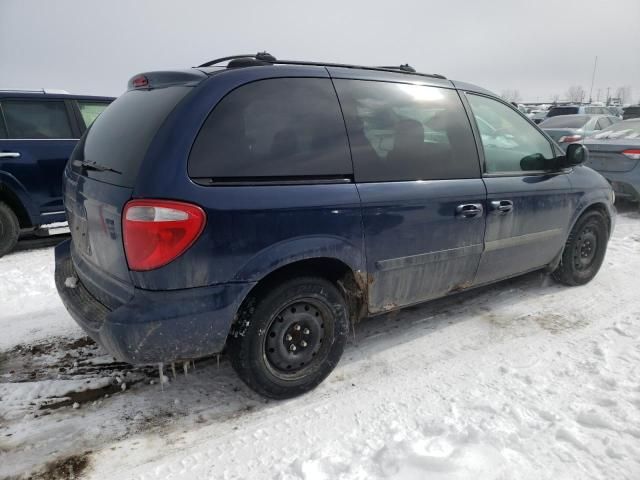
column 403, row 68
column 265, row 58
column 260, row 56
column 39, row 90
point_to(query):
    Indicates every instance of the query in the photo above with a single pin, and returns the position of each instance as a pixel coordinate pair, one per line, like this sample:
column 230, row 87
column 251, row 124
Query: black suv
column 38, row 131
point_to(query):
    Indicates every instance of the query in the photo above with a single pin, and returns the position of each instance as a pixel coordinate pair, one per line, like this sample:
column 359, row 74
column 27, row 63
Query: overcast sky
column 538, row 47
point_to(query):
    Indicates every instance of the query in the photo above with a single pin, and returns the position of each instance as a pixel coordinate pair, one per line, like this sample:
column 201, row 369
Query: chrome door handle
column 502, row 206
column 9, row 154
column 469, row 210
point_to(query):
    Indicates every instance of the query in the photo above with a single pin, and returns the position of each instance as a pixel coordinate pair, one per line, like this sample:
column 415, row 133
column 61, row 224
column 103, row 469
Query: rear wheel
column 584, row 251
column 289, row 340
column 9, row 229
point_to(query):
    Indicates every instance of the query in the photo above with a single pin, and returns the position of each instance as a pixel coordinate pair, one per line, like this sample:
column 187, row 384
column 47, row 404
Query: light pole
column 593, row 77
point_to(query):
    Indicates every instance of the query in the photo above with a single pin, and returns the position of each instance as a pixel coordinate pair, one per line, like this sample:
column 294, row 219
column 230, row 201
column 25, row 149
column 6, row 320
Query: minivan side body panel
column 253, row 230
column 533, row 234
column 417, row 248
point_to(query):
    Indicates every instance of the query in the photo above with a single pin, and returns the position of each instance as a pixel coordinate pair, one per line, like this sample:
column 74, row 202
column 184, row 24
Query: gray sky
column 539, row 47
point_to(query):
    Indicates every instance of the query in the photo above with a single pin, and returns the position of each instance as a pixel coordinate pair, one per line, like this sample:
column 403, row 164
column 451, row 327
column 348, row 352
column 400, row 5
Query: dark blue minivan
column 264, row 206
column 38, row 131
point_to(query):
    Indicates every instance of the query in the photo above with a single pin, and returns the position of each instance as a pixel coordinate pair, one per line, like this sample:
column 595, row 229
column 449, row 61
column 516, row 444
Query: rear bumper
column 153, row 326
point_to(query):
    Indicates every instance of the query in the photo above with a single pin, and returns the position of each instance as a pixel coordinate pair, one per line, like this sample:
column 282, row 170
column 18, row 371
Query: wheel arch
column 352, row 283
column 598, row 206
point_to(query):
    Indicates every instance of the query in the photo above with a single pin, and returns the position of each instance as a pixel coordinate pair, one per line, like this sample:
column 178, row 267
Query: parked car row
column 266, row 206
column 540, row 113
column 613, row 144
column 38, row 131
column 566, row 129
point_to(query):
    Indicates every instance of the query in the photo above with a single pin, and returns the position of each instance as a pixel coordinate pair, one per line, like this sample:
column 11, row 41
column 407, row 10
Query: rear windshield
column 118, row 139
column 565, row 121
column 555, row 111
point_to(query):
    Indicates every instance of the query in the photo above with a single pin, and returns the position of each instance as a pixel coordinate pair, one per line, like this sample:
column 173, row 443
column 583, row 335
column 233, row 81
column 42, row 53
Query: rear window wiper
column 94, row 166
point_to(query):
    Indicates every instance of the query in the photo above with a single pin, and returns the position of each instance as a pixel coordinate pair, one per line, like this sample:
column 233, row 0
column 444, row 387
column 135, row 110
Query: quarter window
column 510, row 143
column 403, row 132
column 284, row 127
column 90, row 111
column 36, row 120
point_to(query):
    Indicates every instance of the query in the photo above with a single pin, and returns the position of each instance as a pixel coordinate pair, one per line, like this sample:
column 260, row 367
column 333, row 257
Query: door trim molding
column 521, row 239
column 422, row 258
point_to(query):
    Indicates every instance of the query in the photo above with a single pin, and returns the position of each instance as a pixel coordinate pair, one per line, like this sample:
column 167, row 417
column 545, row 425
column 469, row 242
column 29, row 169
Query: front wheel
column 584, row 251
column 289, row 340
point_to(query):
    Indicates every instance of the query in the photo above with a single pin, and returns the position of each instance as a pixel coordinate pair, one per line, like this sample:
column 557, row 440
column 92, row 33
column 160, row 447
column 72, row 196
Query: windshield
column 566, row 121
column 624, row 129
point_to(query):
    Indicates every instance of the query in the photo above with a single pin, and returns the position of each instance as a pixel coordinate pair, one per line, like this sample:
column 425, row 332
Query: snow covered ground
column 522, row 380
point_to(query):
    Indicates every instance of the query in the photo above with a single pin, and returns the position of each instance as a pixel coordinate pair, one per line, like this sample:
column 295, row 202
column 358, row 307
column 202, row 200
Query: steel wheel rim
column 586, row 249
column 296, row 339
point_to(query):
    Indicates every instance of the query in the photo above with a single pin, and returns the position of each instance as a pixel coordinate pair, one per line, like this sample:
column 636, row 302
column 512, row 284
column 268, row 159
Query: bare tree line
column 576, row 94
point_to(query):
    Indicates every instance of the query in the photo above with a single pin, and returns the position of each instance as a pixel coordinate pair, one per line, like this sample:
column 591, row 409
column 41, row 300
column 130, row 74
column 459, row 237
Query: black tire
column 584, row 251
column 306, row 312
column 9, row 229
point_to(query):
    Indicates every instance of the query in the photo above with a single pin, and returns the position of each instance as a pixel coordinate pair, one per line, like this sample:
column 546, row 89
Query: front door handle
column 9, row 154
column 502, row 207
column 469, row 210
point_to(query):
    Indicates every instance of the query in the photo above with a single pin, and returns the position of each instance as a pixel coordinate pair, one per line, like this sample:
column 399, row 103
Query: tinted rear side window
column 36, row 119
column 555, row 111
column 120, row 136
column 407, row 132
column 285, row 127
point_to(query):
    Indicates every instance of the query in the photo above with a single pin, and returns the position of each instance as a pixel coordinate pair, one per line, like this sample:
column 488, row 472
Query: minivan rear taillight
column 156, row 232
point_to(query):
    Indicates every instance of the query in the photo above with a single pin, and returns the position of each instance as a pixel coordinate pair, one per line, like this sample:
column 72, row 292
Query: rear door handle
column 469, row 210
column 502, row 207
column 9, row 154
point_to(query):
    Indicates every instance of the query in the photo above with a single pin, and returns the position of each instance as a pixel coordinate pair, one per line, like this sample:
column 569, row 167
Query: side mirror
column 533, row 162
column 537, row 162
column 576, row 154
